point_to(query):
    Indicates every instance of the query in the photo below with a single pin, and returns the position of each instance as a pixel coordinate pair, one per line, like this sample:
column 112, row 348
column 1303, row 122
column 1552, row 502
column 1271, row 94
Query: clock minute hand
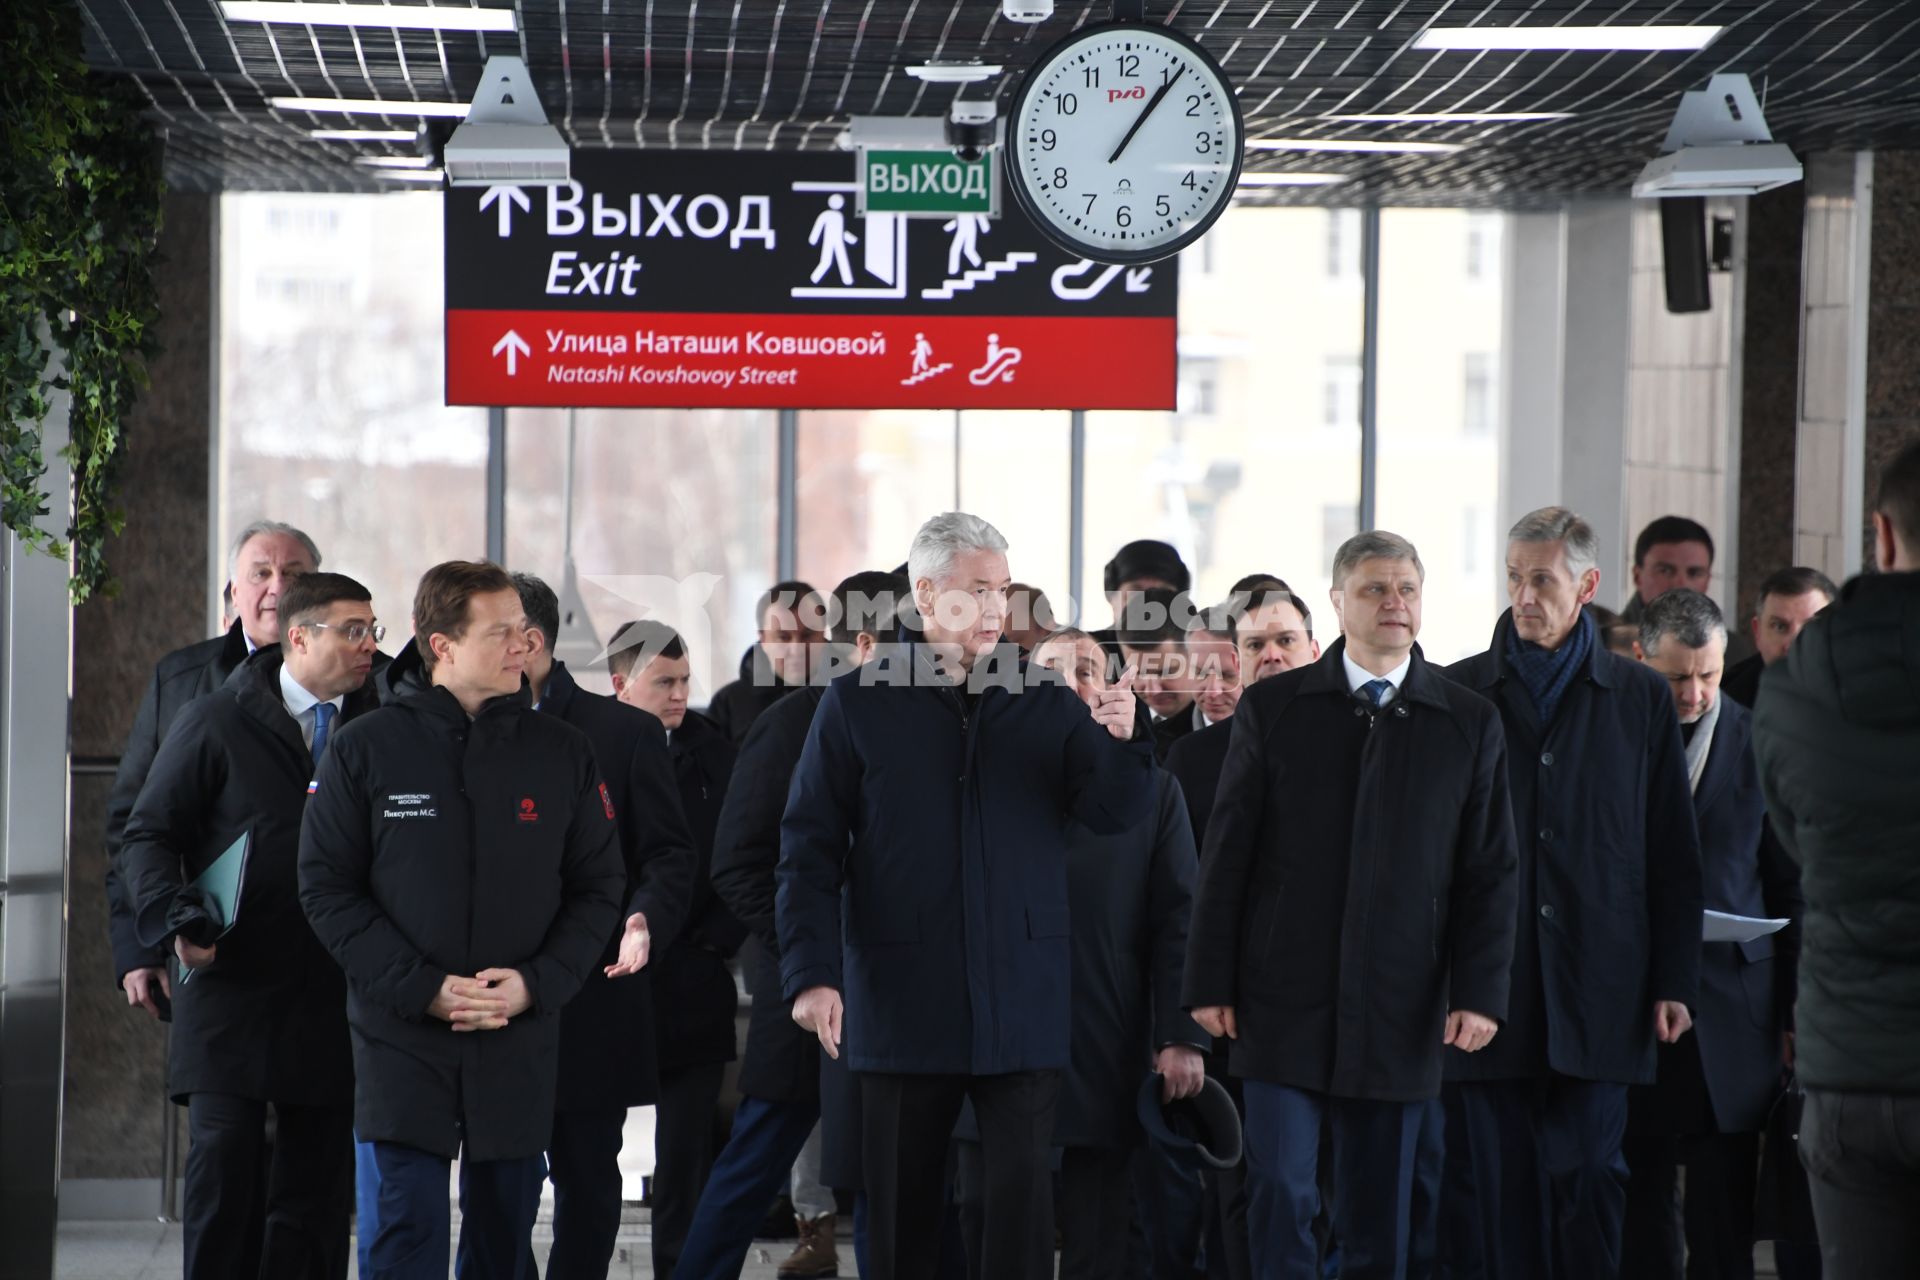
column 1151, row 104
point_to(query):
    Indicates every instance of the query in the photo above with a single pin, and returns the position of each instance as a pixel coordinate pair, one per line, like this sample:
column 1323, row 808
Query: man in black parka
column 1607, row 954
column 1837, row 732
column 1355, row 915
column 607, row 1032
column 780, row 1073
column 262, row 1020
column 266, row 556
column 461, row 860
column 922, row 880
column 694, row 997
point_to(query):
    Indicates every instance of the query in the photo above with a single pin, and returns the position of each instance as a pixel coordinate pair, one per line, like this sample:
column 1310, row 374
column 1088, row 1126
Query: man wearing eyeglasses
column 260, row 1010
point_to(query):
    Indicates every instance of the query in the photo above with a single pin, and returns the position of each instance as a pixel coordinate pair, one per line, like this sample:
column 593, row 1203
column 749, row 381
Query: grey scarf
column 1702, row 744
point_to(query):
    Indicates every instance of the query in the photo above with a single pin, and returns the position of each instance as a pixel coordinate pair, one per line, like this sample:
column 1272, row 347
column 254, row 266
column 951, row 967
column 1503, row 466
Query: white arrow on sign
column 1138, row 278
column 506, row 197
column 514, row 345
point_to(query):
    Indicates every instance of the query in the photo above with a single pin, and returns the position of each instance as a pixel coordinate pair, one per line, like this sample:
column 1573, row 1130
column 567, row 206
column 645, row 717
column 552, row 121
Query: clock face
column 1125, row 142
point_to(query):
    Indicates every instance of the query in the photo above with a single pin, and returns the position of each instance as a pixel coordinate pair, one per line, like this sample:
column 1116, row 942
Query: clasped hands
column 484, row 1002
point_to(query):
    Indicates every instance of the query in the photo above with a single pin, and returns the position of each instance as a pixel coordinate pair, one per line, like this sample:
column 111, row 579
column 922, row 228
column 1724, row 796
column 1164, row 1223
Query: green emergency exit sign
column 928, row 184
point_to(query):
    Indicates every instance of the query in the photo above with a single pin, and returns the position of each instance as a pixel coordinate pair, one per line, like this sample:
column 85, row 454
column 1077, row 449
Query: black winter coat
column 607, row 1050
column 782, row 1060
column 1742, row 681
column 1172, row 730
column 268, row 1019
column 923, row 868
column 694, row 997
column 178, row 678
column 1610, row 899
column 1196, row 760
column 440, row 845
column 737, row 705
column 1358, row 881
column 1746, row 988
column 1131, row 895
column 1837, row 732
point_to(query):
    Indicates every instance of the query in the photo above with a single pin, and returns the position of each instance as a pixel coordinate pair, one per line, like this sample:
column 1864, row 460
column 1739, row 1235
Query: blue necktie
column 1376, row 691
column 323, row 713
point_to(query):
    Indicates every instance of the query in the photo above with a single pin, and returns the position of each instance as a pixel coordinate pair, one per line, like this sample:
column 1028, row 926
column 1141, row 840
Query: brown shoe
column 815, row 1256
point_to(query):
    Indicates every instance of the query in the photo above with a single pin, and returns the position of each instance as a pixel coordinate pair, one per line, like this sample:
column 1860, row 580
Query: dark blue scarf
column 1548, row 673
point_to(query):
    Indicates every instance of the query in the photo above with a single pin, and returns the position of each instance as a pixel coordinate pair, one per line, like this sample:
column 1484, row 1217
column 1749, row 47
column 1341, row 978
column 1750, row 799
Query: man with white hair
column 1607, row 956
column 928, row 825
column 264, row 557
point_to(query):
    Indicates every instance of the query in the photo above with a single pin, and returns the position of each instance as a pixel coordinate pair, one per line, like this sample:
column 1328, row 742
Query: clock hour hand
column 1152, row 102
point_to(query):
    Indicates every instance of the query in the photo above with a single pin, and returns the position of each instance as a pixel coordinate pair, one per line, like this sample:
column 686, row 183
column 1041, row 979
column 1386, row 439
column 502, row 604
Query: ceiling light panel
column 1598, row 39
column 371, row 106
column 416, row 17
column 1356, row 145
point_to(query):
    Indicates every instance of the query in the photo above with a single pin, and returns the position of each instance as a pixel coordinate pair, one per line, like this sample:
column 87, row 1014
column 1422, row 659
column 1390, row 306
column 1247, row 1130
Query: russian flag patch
column 313, row 786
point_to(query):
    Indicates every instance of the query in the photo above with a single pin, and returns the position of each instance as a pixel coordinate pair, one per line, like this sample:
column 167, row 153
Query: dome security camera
column 972, row 129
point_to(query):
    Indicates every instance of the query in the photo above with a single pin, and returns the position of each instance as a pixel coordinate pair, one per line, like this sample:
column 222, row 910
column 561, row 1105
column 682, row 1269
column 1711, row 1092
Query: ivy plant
column 80, row 198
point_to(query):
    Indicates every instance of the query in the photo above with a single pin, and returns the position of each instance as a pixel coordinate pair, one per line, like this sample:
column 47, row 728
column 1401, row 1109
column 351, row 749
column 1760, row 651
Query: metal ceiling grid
column 746, row 74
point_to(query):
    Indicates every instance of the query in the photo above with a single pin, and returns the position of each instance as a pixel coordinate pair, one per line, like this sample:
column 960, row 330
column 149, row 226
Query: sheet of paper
column 1718, row 926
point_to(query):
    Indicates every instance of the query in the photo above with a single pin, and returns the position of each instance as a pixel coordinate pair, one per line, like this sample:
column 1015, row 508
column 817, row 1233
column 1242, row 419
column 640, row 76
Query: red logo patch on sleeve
column 607, row 801
column 527, row 812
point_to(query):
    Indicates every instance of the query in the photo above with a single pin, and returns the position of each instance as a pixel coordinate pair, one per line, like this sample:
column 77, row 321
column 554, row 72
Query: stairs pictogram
column 924, row 374
column 980, row 275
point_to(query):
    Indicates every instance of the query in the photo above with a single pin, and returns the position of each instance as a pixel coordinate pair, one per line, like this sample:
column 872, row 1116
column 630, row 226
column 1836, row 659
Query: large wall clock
column 1125, row 142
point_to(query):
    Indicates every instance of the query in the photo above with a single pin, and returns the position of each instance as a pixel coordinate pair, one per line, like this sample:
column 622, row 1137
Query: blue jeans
column 496, row 1222
column 1373, row 1156
column 366, row 1202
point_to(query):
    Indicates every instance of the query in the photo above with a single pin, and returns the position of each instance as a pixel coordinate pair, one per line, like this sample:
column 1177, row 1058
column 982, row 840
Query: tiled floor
column 151, row 1251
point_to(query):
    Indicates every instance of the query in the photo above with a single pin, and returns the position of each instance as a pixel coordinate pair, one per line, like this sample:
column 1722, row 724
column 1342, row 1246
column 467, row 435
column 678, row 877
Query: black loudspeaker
column 1683, row 253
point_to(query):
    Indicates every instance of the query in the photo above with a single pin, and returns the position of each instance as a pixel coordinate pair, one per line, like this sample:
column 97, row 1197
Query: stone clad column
column 115, row 1055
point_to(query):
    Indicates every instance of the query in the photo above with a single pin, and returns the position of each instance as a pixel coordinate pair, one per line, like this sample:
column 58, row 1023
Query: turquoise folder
column 224, row 880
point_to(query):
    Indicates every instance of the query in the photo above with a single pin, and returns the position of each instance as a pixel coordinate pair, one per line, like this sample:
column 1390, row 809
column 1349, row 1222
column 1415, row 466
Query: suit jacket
column 1196, row 760
column 1746, row 988
column 1358, row 881
column 1610, row 898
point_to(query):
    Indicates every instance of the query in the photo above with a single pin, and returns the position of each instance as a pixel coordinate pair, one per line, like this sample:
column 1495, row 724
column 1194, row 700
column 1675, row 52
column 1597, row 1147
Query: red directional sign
column 680, row 279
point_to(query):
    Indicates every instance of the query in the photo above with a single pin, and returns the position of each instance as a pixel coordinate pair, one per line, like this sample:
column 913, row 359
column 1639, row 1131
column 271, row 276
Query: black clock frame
column 1029, row 204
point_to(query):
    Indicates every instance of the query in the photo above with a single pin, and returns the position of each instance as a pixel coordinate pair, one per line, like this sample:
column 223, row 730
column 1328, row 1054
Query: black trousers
column 583, row 1162
column 1862, row 1152
column 1092, row 1205
column 907, row 1123
column 1534, row 1185
column 683, row 1150
column 1713, row 1230
column 248, row 1213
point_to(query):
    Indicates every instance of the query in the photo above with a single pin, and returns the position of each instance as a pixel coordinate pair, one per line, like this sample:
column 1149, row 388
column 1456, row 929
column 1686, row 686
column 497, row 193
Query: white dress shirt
column 300, row 704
